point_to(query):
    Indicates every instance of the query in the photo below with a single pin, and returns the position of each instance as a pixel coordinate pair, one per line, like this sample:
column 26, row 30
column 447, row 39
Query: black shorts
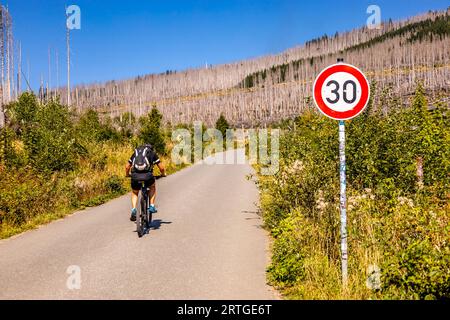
column 137, row 185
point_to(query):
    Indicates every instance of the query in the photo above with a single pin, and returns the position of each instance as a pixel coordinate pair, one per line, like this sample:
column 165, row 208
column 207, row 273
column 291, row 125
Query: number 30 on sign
column 341, row 91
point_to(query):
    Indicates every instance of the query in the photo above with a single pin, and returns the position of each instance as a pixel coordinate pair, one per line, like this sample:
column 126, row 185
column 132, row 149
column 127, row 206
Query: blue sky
column 123, row 39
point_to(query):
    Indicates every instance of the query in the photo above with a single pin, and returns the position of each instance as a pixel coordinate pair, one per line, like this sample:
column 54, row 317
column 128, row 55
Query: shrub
column 418, row 272
column 24, row 111
column 397, row 219
column 114, row 184
column 151, row 132
column 91, row 128
column 53, row 161
column 23, row 193
column 98, row 161
column 126, row 123
column 287, row 264
column 415, row 240
column 222, row 125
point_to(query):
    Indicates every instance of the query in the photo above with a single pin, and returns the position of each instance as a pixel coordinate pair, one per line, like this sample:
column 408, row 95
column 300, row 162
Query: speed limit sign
column 341, row 91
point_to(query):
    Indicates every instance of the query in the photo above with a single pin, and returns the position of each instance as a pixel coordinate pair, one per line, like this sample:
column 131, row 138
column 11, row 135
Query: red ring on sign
column 365, row 91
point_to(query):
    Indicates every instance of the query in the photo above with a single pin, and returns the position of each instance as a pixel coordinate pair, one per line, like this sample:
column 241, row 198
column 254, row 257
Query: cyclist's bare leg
column 134, row 198
column 152, row 194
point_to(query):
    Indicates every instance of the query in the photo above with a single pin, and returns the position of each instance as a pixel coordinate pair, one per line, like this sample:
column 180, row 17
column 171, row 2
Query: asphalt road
column 206, row 243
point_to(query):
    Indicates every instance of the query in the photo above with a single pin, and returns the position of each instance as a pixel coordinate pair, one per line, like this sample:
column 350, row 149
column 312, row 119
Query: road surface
column 206, row 243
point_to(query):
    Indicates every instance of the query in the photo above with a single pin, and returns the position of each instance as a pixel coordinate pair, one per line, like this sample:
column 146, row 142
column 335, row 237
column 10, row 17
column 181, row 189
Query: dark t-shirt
column 150, row 155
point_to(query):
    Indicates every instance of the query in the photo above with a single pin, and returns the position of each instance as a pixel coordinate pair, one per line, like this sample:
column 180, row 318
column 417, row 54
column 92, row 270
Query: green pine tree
column 222, row 125
column 151, row 131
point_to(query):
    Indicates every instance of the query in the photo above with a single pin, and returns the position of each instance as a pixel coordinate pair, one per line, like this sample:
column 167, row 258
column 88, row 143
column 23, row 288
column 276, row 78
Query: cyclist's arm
column 155, row 160
column 127, row 169
column 129, row 165
column 161, row 168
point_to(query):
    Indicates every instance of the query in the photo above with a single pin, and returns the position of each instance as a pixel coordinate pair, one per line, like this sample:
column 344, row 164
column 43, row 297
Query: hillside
column 271, row 88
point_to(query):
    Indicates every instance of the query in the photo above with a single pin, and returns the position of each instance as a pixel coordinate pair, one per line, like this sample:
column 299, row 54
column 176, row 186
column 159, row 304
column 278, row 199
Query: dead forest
column 266, row 89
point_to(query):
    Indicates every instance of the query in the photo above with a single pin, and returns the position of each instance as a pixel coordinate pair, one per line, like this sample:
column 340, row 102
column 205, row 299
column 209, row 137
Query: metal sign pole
column 332, row 84
column 343, row 199
column 343, row 202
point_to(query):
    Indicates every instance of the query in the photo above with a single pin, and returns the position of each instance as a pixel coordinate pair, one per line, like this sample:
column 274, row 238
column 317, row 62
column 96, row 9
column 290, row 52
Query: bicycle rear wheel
column 149, row 215
column 140, row 218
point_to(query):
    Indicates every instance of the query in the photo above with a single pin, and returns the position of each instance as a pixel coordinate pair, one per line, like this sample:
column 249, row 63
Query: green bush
column 126, row 123
column 43, row 149
column 151, row 131
column 222, row 125
column 287, row 264
column 415, row 240
column 22, row 194
column 397, row 220
column 98, row 161
column 114, row 184
column 53, row 160
column 418, row 272
column 91, row 128
column 47, row 133
column 383, row 148
column 8, row 154
column 23, row 112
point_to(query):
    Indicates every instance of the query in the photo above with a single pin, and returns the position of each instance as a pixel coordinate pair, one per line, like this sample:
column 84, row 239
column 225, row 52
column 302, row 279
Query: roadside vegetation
column 398, row 175
column 54, row 161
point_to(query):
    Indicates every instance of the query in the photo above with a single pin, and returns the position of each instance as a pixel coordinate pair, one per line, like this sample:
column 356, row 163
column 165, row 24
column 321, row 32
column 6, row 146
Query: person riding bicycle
column 141, row 166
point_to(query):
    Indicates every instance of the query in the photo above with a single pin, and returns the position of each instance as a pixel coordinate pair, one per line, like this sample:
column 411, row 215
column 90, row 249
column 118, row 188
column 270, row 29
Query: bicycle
column 144, row 217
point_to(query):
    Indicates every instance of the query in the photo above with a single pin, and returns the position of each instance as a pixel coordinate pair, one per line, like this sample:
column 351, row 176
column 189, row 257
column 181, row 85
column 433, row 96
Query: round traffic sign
column 341, row 91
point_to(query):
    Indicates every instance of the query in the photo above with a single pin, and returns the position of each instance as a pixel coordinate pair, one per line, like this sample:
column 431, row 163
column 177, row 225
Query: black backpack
column 140, row 162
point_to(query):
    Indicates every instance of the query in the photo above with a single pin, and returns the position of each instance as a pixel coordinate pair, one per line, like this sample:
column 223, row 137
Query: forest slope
column 271, row 88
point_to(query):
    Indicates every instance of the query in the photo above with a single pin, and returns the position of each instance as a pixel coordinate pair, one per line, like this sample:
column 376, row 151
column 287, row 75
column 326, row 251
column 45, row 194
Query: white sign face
column 341, row 91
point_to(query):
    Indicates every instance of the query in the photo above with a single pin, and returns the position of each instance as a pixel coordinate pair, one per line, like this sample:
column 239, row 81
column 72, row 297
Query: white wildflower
column 405, row 201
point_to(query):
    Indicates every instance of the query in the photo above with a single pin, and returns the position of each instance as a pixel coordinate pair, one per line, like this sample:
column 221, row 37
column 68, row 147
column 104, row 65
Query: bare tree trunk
column 419, row 165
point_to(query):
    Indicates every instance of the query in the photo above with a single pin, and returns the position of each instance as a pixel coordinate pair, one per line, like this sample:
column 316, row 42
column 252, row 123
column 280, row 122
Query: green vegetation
column 418, row 31
column 151, row 131
column 398, row 218
column 126, row 124
column 54, row 161
column 222, row 125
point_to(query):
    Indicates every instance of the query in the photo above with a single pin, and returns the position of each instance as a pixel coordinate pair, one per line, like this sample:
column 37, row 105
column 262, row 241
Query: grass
column 304, row 267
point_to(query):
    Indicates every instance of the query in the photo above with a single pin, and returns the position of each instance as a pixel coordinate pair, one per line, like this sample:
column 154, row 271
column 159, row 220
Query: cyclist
column 141, row 166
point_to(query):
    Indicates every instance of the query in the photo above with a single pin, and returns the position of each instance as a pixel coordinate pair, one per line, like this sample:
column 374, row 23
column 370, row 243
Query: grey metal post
column 343, row 202
column 343, row 199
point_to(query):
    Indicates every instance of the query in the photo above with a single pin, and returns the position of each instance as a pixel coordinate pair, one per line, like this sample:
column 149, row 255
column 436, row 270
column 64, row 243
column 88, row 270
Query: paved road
column 206, row 243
